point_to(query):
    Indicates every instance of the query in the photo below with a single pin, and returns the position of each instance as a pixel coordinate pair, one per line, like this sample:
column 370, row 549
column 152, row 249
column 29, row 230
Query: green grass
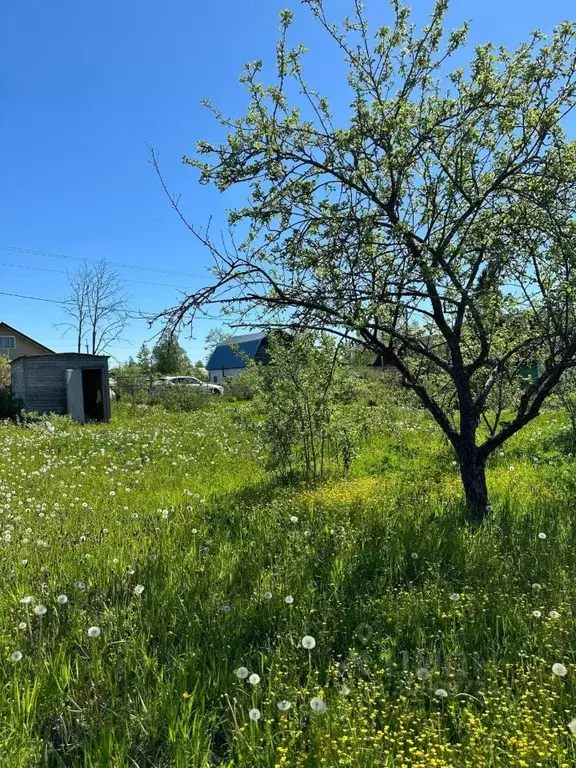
column 181, row 504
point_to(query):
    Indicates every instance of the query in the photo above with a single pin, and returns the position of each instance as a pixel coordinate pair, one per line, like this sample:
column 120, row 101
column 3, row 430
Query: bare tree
column 96, row 307
column 76, row 306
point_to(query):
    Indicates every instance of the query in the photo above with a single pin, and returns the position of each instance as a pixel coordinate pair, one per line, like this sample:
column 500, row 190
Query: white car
column 188, row 381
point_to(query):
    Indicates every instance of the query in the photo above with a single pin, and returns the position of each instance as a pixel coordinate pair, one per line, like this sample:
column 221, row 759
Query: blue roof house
column 232, row 356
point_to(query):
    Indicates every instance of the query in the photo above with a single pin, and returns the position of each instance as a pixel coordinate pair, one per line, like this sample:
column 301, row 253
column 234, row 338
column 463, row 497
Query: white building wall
column 219, row 376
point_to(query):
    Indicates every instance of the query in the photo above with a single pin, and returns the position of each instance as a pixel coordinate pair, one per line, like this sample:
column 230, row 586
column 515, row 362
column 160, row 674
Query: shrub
column 181, row 398
column 7, row 405
column 308, row 407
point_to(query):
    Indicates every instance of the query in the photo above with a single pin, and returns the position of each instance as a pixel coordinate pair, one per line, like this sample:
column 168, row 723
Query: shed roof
column 225, row 356
column 56, row 355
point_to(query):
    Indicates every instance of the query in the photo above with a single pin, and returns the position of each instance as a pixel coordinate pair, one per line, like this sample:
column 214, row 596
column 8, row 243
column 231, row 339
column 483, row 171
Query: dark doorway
column 93, row 394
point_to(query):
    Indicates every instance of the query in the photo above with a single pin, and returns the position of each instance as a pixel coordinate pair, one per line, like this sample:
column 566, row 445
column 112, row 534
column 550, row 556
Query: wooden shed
column 70, row 383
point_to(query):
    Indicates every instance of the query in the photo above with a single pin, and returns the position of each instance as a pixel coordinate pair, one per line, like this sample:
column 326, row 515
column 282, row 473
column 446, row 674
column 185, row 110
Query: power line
column 32, row 298
column 131, row 314
column 63, row 272
column 50, row 254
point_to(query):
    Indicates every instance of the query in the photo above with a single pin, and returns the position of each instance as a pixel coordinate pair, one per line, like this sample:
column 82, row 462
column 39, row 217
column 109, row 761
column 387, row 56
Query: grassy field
column 157, row 586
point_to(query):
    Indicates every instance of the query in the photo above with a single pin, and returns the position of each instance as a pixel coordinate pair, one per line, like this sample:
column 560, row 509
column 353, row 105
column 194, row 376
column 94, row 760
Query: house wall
column 23, row 346
column 220, row 375
column 40, row 382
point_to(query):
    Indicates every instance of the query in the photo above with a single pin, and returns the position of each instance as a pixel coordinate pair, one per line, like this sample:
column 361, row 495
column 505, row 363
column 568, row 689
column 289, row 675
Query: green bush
column 309, row 408
column 180, row 398
column 7, row 405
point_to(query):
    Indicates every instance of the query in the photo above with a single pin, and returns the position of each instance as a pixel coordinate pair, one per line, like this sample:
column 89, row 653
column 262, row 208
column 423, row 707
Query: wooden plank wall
column 45, row 380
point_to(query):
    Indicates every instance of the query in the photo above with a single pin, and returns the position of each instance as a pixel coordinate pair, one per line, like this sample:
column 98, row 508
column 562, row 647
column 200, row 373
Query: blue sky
column 84, row 87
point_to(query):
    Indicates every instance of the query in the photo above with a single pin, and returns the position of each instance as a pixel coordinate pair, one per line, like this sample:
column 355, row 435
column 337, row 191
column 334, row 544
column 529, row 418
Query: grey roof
column 224, row 356
column 56, row 355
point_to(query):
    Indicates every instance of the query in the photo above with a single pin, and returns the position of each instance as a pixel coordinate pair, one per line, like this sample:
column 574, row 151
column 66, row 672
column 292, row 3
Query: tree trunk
column 473, row 473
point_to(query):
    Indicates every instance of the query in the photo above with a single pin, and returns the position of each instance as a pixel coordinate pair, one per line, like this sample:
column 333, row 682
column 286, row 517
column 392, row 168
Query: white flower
column 62, row 599
column 572, row 726
column 80, row 584
column 267, row 595
column 254, row 714
column 422, row 673
column 554, row 615
column 289, row 599
column 283, row 705
column 94, row 632
column 28, row 600
column 40, row 610
column 130, row 570
column 536, row 587
column 308, row 642
column 317, row 705
column 454, row 597
column 22, row 625
column 536, row 614
column 241, row 673
column 254, row 679
column 559, row 670
column 138, row 589
column 16, row 655
column 293, row 519
column 441, row 693
column 344, row 691
column 542, row 536
column 414, row 555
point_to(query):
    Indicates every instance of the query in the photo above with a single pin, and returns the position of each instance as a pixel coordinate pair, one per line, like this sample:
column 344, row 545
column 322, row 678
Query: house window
column 215, row 379
column 7, row 342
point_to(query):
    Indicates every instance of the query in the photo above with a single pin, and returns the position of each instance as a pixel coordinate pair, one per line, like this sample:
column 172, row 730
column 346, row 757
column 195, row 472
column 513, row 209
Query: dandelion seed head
column 536, row 614
column 422, row 673
column 559, row 670
column 22, row 625
column 40, row 609
column 28, row 600
column 414, row 555
column 283, row 705
column 542, row 536
column 138, row 589
column 454, row 597
column 254, row 679
column 254, row 714
column 554, row 614
column 267, row 595
column 289, row 599
column 308, row 642
column 572, row 726
column 62, row 599
column 16, row 655
column 94, row 632
column 293, row 519
column 317, row 705
column 441, row 693
column 241, row 673
column 536, row 587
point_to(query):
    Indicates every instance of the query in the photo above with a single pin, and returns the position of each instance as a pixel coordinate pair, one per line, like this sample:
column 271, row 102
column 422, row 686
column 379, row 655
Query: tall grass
column 403, row 602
